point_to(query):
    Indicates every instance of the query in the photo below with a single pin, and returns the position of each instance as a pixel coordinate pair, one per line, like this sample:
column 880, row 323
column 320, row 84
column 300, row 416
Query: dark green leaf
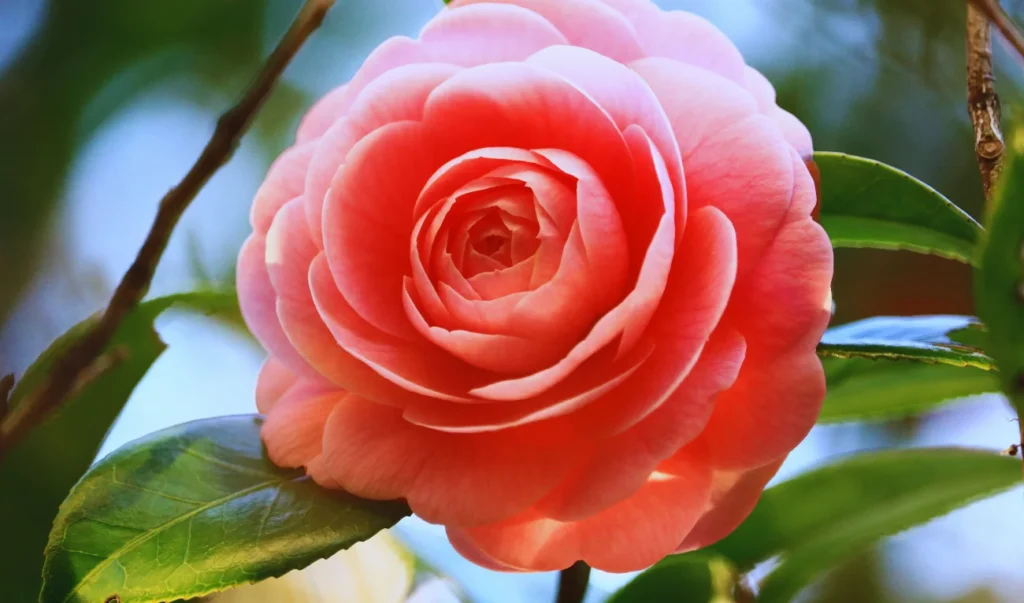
column 692, row 578
column 999, row 279
column 43, row 467
column 865, row 203
column 920, row 338
column 823, row 517
column 860, row 389
column 192, row 510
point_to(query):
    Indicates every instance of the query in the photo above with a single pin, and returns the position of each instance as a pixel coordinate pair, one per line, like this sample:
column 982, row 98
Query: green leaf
column 999, row 279
column 193, row 510
column 826, row 516
column 930, row 339
column 860, row 389
column 46, row 464
column 693, row 578
column 821, row 517
column 865, row 203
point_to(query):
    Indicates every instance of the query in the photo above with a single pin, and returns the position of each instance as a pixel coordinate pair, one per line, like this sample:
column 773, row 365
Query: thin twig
column 983, row 101
column 572, row 583
column 6, row 386
column 1006, row 26
column 135, row 282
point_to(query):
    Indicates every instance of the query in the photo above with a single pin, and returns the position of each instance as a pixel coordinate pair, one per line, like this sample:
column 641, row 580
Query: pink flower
column 548, row 273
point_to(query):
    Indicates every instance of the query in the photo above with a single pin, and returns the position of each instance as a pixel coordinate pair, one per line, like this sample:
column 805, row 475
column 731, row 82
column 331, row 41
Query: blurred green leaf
column 865, row 203
column 196, row 509
column 821, row 517
column 920, row 338
column 999, row 278
column 692, row 578
column 47, row 463
column 828, row 515
column 85, row 62
column 862, row 389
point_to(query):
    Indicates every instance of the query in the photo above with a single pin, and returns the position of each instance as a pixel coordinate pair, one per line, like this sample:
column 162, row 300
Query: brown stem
column 995, row 13
column 69, row 368
column 982, row 100
column 572, row 583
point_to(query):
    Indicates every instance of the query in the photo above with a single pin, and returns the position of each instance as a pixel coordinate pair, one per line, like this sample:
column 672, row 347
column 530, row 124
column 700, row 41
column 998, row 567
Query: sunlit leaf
column 865, row 203
column 931, row 339
column 43, row 467
column 999, row 279
column 692, row 578
column 861, row 389
column 193, row 510
column 823, row 517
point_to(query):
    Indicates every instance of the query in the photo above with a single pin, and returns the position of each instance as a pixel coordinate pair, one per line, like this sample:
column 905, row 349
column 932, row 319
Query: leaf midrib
column 141, row 538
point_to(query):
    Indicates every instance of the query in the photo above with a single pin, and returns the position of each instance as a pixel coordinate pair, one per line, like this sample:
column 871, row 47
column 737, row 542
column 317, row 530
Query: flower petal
column 733, row 496
column 689, row 39
column 285, row 181
column 628, row 536
column 273, row 381
column 257, row 301
column 293, row 430
column 398, row 95
column 468, row 37
column 460, row 479
column 368, row 221
column 587, row 23
column 621, row 465
column 414, row 366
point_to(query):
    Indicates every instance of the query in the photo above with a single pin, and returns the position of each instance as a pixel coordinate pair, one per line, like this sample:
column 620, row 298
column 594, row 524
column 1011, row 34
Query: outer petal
column 786, row 296
column 294, row 428
column 733, row 496
column 792, row 129
column 273, row 381
column 585, row 23
column 257, row 300
column 734, row 156
column 472, row 36
column 690, row 39
column 628, row 536
column 285, row 180
column 769, row 410
column 460, row 479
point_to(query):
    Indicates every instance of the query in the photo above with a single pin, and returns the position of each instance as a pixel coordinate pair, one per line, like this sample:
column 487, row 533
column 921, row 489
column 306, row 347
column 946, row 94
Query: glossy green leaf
column 693, row 578
column 46, row 464
column 192, row 510
column 861, row 389
column 828, row 515
column 999, row 279
column 930, row 339
column 865, row 203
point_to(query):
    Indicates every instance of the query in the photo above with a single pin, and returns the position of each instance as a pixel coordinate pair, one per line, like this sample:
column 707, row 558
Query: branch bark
column 76, row 361
column 995, row 13
column 982, row 99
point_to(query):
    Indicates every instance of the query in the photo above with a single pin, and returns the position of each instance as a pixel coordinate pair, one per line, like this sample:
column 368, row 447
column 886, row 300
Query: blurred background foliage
column 86, row 88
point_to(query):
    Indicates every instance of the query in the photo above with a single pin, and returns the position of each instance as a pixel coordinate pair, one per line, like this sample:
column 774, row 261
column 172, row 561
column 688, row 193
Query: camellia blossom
column 549, row 273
